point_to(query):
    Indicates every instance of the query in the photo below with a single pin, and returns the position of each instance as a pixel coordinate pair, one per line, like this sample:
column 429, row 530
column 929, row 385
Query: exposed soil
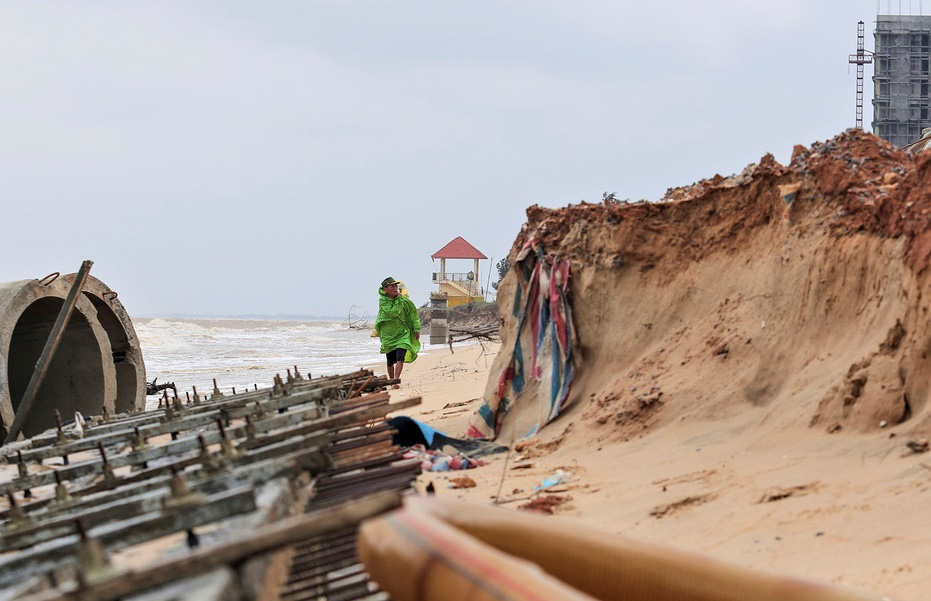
column 800, row 289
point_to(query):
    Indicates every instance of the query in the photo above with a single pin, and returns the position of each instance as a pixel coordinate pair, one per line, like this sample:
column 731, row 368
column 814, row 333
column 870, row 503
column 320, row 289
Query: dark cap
column 388, row 281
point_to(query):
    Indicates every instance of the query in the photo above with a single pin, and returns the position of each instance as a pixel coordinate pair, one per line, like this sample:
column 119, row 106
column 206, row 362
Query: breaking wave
column 247, row 353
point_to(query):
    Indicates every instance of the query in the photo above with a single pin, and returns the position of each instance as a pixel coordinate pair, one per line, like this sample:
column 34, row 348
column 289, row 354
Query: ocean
column 243, row 353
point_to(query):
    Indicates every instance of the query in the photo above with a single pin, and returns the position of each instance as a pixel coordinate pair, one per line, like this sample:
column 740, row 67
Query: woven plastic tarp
column 542, row 360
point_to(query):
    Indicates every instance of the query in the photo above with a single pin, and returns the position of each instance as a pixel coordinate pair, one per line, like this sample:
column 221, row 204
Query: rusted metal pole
column 45, row 359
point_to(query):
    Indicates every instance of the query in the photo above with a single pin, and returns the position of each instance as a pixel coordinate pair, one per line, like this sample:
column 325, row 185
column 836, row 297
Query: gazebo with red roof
column 460, row 287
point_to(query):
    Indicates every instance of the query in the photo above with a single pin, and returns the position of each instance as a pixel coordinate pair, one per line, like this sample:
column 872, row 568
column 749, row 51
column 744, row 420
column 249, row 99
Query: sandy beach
column 451, row 384
column 845, row 509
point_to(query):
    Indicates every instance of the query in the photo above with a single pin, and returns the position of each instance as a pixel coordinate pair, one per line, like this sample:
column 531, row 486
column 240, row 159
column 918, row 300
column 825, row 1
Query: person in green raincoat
column 398, row 327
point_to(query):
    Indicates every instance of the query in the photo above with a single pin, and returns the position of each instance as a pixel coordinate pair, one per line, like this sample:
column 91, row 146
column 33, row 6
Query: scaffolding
column 901, row 77
column 861, row 58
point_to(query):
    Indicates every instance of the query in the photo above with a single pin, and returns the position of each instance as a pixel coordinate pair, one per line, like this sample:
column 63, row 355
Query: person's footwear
column 396, row 386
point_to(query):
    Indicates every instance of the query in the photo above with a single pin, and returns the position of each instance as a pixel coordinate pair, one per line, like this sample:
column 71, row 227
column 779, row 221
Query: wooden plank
column 249, row 468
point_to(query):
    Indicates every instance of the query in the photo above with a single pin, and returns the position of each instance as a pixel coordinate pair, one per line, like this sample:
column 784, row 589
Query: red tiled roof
column 458, row 249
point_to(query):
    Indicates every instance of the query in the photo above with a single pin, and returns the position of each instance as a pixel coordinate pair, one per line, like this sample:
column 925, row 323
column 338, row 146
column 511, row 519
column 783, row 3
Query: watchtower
column 460, row 287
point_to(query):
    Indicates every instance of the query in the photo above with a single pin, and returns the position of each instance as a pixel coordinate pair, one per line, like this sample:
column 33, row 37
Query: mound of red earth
column 800, row 291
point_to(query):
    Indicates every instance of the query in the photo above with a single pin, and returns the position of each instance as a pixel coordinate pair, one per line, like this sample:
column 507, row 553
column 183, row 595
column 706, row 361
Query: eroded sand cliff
column 801, row 289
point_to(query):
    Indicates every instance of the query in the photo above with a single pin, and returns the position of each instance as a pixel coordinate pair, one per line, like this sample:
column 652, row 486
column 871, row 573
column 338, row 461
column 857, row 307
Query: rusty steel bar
column 281, row 534
column 155, row 425
column 149, row 494
column 123, row 534
column 187, row 446
column 128, row 421
column 332, row 441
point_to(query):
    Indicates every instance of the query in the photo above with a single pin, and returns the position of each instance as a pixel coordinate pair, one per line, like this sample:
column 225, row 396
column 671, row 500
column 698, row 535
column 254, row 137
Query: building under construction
column 901, row 108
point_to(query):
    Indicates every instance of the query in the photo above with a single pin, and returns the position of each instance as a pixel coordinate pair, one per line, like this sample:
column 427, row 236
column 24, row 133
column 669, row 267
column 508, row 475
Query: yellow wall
column 455, row 295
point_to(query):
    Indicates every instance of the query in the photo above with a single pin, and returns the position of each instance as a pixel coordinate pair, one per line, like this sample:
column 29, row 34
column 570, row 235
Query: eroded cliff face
column 796, row 294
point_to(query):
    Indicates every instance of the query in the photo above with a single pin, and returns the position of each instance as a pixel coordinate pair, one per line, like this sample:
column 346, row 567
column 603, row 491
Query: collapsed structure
column 801, row 290
column 257, row 494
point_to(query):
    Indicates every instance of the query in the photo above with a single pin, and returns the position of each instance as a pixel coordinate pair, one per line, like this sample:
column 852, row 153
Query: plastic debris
column 439, row 461
column 560, row 477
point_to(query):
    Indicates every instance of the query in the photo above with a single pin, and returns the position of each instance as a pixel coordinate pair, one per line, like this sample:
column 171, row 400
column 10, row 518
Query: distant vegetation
column 502, row 266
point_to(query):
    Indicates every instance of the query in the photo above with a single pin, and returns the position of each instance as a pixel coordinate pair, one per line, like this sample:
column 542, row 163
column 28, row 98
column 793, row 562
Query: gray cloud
column 232, row 157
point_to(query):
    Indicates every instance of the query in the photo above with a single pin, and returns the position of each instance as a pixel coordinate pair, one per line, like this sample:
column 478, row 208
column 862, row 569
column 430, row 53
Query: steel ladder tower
column 862, row 57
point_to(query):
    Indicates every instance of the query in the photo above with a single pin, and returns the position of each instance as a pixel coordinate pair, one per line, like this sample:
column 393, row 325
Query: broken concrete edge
column 21, row 589
column 276, row 500
column 219, row 584
column 261, row 575
column 127, row 352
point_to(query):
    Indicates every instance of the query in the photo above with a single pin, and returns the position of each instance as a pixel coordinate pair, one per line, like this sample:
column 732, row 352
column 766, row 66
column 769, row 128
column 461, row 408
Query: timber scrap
column 256, row 494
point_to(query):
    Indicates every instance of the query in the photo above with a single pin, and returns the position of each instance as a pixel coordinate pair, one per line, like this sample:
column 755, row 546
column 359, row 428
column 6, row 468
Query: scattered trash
column 463, row 482
column 560, row 477
column 546, row 504
column 438, row 461
column 918, row 446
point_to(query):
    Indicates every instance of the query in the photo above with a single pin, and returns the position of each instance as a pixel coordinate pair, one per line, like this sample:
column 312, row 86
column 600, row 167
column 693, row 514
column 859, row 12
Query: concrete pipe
column 127, row 354
column 83, row 375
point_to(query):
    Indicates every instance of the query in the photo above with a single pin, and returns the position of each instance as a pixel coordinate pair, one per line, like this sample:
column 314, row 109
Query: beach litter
column 546, row 503
column 560, row 477
column 463, row 482
column 438, row 461
column 917, row 446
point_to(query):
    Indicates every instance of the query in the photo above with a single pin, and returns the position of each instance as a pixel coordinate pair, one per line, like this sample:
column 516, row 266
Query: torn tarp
column 542, row 359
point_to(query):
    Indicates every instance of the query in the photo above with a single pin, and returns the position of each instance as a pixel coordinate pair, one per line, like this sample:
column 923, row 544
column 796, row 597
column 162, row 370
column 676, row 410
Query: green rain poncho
column 396, row 323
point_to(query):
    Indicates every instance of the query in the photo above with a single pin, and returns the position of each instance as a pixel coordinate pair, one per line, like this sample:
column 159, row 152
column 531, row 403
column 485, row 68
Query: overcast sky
column 224, row 158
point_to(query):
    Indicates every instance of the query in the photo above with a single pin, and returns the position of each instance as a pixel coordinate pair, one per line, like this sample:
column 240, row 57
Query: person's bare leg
column 397, row 372
column 391, row 372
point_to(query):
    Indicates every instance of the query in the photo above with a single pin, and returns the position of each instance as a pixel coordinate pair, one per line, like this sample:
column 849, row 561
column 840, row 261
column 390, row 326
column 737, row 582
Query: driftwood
column 153, row 388
column 488, row 333
column 354, row 322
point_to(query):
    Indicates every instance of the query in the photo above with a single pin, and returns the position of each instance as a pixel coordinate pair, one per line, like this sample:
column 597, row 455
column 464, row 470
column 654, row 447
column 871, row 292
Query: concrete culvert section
column 75, row 379
column 127, row 355
column 98, row 362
